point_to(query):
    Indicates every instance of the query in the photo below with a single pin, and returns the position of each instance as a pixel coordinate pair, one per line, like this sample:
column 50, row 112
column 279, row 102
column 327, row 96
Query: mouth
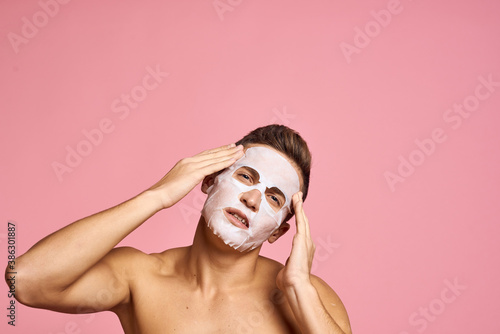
column 236, row 217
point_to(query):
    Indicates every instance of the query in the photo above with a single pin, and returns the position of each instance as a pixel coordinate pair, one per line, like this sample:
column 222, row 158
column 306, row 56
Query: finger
column 214, row 165
column 299, row 218
column 209, row 156
column 306, row 220
column 218, row 149
column 304, row 217
column 217, row 157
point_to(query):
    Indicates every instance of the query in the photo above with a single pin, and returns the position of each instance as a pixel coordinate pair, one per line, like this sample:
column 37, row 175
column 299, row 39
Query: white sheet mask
column 228, row 188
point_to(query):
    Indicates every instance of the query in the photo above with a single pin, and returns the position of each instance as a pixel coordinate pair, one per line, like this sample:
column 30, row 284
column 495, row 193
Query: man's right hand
column 66, row 270
column 189, row 172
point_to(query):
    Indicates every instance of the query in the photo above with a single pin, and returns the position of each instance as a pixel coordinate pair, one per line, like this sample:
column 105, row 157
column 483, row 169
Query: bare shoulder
column 134, row 264
column 331, row 301
column 166, row 262
column 124, row 255
column 129, row 261
column 328, row 296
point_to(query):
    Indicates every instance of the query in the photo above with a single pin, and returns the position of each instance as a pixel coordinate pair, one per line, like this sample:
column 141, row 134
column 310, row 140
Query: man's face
column 249, row 200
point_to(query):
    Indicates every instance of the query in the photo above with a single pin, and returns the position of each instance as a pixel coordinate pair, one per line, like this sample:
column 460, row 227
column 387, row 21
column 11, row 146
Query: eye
column 245, row 176
column 275, row 199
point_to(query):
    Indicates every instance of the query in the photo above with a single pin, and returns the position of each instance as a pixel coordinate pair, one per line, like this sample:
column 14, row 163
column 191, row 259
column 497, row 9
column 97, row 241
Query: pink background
column 388, row 252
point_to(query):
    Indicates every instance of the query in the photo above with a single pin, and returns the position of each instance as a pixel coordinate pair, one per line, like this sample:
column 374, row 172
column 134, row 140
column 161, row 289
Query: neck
column 216, row 266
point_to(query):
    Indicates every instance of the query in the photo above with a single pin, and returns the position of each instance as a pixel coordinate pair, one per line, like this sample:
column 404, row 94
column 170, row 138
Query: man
column 219, row 284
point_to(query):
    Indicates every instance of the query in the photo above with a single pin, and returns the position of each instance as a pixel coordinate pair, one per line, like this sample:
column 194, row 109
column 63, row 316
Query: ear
column 284, row 227
column 208, row 181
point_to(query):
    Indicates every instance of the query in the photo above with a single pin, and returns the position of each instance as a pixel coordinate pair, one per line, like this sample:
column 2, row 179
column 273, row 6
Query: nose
column 251, row 199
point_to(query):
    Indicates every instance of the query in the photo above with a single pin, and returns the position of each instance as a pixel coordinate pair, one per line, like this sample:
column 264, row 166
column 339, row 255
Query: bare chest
column 161, row 307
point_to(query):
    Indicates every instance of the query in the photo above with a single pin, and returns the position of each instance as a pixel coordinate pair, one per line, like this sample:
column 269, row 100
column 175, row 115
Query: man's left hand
column 297, row 269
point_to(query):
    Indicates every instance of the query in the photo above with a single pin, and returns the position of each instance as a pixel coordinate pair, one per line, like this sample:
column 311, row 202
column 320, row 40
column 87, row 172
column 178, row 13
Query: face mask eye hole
column 247, row 175
column 244, row 178
column 275, row 198
column 275, row 202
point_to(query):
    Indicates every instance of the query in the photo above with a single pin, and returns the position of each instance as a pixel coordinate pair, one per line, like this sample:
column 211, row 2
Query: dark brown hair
column 287, row 141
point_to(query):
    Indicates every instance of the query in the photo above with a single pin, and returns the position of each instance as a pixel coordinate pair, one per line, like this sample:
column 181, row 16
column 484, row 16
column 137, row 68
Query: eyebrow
column 278, row 192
